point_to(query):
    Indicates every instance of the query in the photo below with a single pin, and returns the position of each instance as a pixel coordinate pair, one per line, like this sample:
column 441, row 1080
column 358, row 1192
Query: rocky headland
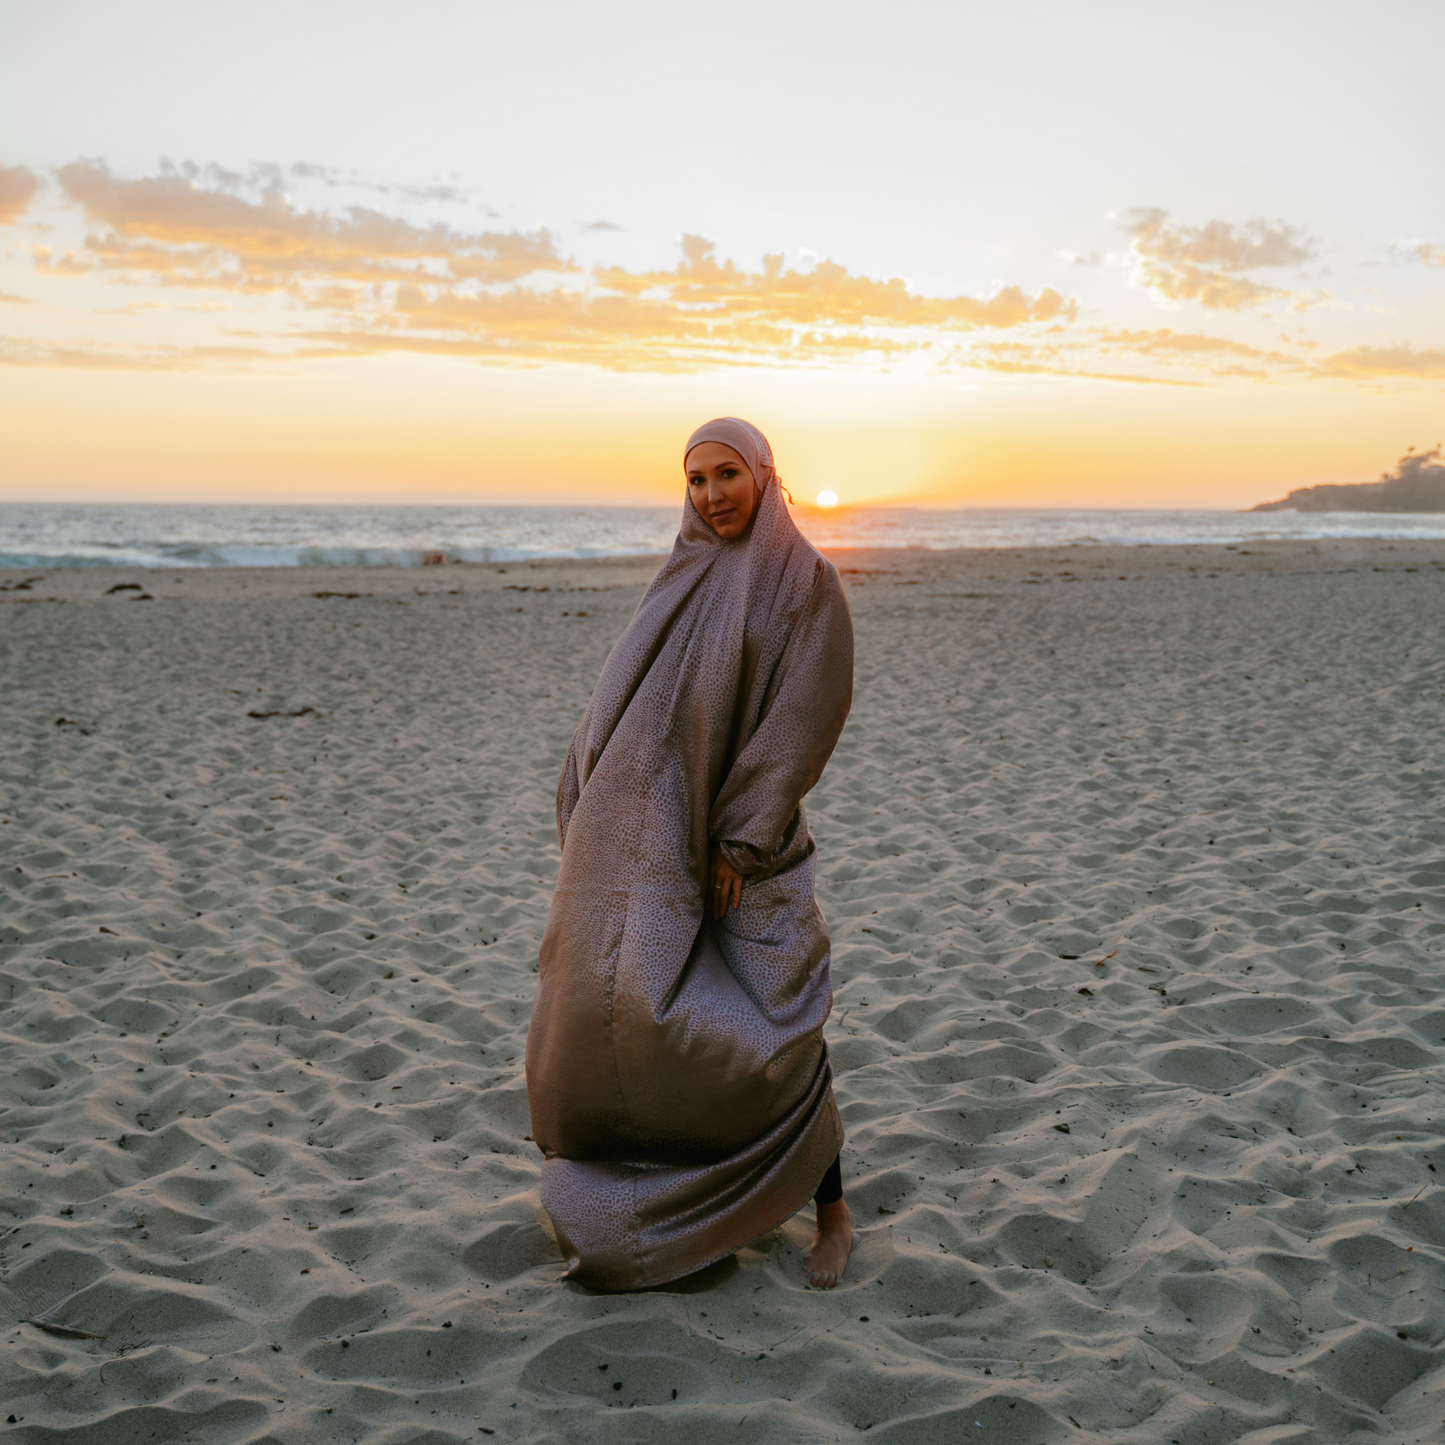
column 1416, row 485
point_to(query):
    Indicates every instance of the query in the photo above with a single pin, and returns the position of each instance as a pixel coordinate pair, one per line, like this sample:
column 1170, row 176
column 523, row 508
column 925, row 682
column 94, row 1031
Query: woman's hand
column 724, row 886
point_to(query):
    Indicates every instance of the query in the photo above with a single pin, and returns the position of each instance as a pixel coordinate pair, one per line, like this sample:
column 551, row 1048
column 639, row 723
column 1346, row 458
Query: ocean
column 39, row 534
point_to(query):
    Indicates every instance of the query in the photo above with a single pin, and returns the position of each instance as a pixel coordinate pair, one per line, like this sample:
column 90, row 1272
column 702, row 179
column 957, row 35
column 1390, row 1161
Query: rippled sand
column 1135, row 863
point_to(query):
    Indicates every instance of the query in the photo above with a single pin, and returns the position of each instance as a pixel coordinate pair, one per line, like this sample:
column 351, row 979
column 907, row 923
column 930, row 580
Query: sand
column 1135, row 865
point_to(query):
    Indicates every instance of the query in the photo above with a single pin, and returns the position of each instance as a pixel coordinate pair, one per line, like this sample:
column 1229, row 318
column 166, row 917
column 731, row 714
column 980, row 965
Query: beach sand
column 1135, row 866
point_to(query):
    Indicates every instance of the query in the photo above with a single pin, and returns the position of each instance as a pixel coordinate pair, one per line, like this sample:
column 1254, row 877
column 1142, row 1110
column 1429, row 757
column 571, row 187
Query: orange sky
column 424, row 429
column 1181, row 305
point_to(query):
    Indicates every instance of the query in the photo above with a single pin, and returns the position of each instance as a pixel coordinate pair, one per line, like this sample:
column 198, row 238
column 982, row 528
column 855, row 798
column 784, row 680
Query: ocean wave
column 38, row 535
column 298, row 556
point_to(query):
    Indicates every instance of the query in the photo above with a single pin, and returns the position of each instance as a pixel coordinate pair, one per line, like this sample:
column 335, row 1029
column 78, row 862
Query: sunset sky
column 1083, row 254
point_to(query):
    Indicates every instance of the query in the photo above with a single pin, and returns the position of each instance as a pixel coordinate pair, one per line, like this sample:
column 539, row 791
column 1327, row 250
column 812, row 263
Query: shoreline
column 1083, row 562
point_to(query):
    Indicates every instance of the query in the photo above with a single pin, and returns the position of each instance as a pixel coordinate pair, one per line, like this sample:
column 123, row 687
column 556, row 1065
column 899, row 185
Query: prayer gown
column 679, row 1083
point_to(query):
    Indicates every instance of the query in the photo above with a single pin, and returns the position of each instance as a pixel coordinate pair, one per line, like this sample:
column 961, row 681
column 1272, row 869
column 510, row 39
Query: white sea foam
column 96, row 535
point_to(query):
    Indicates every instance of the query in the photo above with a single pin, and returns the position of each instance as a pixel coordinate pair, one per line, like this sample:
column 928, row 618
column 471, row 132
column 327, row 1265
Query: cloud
column 1426, row 252
column 1167, row 345
column 355, row 280
column 1164, row 340
column 359, row 280
column 173, row 229
column 1077, row 360
column 17, row 189
column 18, row 351
column 1365, row 362
column 1206, row 263
column 1158, row 356
column 372, row 281
column 338, row 179
column 825, row 295
column 1218, row 243
column 703, row 313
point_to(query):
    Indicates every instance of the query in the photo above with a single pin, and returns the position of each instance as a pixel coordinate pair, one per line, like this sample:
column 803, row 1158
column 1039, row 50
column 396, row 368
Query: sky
column 1080, row 253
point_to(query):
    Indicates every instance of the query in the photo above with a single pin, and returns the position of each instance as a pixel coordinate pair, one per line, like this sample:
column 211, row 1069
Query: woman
column 679, row 1082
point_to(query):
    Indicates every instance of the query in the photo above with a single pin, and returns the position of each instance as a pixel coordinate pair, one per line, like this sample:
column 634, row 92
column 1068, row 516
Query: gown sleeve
column 569, row 790
column 804, row 710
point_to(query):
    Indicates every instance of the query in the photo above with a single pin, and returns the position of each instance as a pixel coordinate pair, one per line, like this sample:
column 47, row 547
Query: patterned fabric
column 678, row 1078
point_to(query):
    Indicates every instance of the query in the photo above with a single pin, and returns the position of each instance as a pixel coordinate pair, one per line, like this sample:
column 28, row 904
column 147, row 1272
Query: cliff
column 1416, row 485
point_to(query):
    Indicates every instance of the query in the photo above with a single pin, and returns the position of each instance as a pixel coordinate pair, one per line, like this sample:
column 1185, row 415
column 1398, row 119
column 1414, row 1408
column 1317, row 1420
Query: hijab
column 745, row 439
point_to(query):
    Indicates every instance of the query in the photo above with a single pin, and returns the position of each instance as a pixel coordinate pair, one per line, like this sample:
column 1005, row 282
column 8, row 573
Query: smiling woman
column 679, row 1083
column 721, row 487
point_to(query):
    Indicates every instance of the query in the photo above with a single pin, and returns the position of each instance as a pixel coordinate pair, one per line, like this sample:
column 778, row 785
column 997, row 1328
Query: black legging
column 830, row 1191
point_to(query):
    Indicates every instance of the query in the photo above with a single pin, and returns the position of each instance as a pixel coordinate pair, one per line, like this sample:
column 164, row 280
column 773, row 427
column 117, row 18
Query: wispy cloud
column 701, row 313
column 22, row 352
column 1207, row 263
column 383, row 283
column 171, row 228
column 1428, row 252
column 824, row 295
column 18, row 186
column 1157, row 356
column 334, row 279
column 1217, row 352
column 1370, row 362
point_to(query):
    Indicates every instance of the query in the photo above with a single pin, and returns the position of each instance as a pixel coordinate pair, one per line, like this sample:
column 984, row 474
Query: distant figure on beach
column 679, row 1083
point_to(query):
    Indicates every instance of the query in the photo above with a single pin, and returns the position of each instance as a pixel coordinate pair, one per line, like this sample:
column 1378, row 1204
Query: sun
column 827, row 499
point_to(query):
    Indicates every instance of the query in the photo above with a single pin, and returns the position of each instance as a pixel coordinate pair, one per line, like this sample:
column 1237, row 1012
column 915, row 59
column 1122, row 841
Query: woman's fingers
column 725, row 889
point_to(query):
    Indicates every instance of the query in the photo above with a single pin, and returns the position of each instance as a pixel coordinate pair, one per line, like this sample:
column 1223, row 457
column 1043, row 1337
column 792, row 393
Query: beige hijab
column 745, row 439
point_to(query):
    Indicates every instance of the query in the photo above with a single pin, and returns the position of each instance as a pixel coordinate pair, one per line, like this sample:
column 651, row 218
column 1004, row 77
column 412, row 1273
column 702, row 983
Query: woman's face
column 722, row 488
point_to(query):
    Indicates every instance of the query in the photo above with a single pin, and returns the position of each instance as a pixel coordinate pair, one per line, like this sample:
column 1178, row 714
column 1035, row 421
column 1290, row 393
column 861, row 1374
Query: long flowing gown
column 679, row 1083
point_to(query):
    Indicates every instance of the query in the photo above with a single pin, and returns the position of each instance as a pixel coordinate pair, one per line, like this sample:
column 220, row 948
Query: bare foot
column 828, row 1257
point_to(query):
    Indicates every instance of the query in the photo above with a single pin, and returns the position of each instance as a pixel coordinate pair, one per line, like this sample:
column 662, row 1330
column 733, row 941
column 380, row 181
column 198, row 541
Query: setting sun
column 827, row 499
column 1150, row 317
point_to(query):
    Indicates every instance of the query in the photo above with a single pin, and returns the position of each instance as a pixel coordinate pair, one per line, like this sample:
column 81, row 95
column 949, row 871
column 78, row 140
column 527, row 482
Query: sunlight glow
column 827, row 499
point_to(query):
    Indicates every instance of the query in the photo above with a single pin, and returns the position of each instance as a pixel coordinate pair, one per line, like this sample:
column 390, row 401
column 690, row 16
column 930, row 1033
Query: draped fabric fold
column 679, row 1083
